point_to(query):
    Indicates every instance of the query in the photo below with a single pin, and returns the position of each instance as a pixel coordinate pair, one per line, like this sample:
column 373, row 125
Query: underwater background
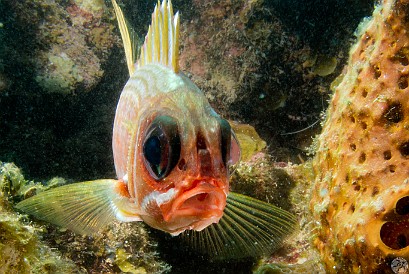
column 272, row 67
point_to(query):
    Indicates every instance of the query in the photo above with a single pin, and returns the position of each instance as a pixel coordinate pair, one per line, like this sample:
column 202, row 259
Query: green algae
column 249, row 140
column 21, row 250
column 279, row 268
column 91, row 6
column 122, row 260
column 324, row 65
column 37, row 247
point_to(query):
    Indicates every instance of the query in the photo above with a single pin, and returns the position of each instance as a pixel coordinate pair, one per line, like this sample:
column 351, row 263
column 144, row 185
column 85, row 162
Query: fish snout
column 203, row 203
column 203, row 195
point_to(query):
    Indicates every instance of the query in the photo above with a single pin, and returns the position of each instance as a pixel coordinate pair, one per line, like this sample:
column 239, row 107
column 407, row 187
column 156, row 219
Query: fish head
column 182, row 164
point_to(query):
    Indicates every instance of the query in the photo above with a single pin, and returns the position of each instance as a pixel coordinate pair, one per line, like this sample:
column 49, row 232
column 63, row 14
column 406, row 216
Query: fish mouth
column 203, row 204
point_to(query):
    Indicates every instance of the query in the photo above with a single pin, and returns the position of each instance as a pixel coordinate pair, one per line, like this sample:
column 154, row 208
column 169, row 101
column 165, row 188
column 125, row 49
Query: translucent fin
column 82, row 207
column 162, row 40
column 248, row 228
column 127, row 39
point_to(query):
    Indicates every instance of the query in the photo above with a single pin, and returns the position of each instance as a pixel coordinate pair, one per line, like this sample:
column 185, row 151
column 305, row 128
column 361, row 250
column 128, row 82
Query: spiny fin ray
column 127, row 39
column 161, row 44
column 82, row 207
column 248, row 228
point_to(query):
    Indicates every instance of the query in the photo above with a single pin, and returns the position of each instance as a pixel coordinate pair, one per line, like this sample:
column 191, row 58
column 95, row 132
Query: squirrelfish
column 172, row 154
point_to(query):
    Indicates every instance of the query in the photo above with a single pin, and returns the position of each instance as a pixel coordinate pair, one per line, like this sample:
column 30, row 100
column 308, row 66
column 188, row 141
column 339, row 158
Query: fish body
column 172, row 154
column 191, row 193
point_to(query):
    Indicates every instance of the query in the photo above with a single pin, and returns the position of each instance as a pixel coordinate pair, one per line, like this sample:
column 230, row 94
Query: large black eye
column 229, row 145
column 161, row 146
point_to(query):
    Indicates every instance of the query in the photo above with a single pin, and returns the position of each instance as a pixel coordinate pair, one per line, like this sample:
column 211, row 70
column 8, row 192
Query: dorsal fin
column 161, row 44
column 126, row 38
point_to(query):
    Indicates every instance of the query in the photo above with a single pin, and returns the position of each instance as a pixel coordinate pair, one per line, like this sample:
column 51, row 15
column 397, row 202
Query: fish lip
column 204, row 199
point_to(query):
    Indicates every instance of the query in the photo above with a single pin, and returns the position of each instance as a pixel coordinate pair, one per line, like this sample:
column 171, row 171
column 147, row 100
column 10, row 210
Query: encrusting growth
column 361, row 196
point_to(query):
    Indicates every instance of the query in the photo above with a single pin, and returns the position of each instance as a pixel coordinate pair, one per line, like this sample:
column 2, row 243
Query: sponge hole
column 387, row 155
column 400, row 56
column 402, row 206
column 377, row 71
column 393, row 113
column 395, row 234
column 362, row 158
column 403, row 82
column 404, row 149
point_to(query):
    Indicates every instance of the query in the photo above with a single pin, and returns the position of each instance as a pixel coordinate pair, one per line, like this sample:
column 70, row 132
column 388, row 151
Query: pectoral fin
column 82, row 207
column 248, row 228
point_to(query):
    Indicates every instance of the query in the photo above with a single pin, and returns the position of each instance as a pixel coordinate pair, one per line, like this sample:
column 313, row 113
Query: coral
column 91, row 6
column 29, row 248
column 72, row 41
column 297, row 255
column 360, row 198
column 252, row 67
column 263, row 179
column 285, row 185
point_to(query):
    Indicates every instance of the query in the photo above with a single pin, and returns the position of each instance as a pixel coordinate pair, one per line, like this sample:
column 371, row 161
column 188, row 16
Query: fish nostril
column 205, row 162
column 182, row 165
column 200, row 142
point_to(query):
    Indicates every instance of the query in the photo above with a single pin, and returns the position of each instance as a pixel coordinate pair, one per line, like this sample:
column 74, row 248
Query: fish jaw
column 195, row 207
column 191, row 205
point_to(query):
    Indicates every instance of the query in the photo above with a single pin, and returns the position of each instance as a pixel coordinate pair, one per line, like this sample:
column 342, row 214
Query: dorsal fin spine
column 156, row 32
column 165, row 41
column 161, row 44
column 175, row 51
column 126, row 38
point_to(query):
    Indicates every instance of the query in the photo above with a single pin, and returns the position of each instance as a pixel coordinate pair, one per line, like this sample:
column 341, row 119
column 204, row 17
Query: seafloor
column 266, row 63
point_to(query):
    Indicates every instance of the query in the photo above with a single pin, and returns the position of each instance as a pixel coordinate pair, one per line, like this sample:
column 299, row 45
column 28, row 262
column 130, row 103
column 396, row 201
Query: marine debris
column 360, row 199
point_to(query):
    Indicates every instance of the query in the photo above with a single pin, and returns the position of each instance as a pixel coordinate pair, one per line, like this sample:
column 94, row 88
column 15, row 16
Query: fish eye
column 230, row 147
column 161, row 146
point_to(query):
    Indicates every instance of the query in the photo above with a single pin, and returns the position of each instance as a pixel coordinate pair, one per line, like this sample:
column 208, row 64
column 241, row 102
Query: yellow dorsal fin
column 162, row 41
column 126, row 38
column 161, row 44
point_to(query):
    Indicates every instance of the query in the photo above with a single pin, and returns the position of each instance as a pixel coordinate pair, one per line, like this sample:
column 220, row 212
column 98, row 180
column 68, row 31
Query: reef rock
column 360, row 199
column 63, row 44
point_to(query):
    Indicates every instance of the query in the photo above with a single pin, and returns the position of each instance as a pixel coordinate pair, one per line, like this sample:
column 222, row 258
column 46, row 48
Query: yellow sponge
column 360, row 199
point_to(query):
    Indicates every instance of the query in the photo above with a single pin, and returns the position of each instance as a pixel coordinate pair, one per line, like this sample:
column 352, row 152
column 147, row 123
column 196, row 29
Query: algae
column 279, row 268
column 226, row 63
column 21, row 249
column 59, row 48
column 324, row 65
column 36, row 247
column 249, row 140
